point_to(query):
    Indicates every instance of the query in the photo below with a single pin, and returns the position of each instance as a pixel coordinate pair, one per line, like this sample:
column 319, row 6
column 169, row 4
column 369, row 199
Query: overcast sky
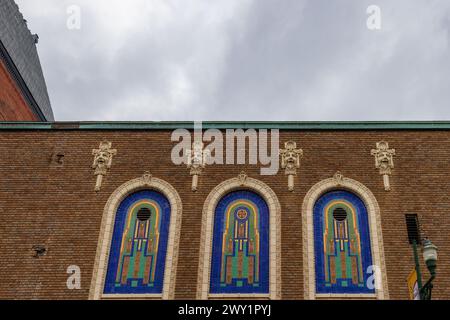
column 244, row 59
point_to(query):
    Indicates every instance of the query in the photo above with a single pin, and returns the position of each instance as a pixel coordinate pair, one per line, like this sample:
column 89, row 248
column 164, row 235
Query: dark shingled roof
column 20, row 45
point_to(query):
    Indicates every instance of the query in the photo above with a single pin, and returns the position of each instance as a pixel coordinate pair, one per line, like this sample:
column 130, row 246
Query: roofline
column 281, row 125
column 23, row 87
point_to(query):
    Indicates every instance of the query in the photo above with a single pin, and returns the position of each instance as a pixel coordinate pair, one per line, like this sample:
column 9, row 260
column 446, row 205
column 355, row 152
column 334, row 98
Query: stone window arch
column 338, row 182
column 145, row 183
column 244, row 183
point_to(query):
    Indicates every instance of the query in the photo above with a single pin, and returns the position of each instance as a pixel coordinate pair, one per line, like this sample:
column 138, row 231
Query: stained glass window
column 139, row 244
column 240, row 254
column 342, row 244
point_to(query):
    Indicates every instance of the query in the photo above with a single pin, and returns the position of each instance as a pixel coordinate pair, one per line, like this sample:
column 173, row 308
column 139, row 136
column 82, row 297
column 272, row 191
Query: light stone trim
column 290, row 161
column 384, row 161
column 346, row 295
column 102, row 162
column 107, row 228
column 197, row 159
column 242, row 182
column 260, row 296
column 376, row 236
column 153, row 296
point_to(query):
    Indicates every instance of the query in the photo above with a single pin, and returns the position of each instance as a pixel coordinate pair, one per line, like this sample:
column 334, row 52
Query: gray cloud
column 245, row 59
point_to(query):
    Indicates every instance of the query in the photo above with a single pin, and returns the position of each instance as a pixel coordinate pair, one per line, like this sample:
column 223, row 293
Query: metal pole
column 419, row 275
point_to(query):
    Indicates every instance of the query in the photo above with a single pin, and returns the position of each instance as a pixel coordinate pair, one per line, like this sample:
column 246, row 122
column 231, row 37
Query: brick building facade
column 48, row 201
column 107, row 204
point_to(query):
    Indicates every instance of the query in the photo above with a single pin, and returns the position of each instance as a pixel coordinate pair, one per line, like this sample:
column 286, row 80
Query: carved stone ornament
column 102, row 161
column 384, row 161
column 290, row 161
column 338, row 177
column 196, row 161
column 147, row 178
column 242, row 178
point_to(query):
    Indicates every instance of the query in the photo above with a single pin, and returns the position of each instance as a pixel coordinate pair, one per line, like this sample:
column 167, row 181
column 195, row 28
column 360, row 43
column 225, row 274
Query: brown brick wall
column 42, row 203
column 12, row 105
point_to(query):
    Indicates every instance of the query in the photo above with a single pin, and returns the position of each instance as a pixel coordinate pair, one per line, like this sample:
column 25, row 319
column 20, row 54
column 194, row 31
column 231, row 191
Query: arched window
column 240, row 252
column 139, row 245
column 342, row 244
column 245, row 211
column 137, row 251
